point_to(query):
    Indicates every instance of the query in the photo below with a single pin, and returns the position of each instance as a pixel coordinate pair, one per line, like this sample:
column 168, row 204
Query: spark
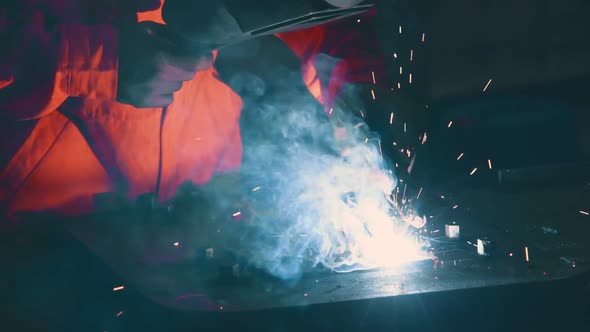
column 400, row 29
column 358, row 21
column 410, row 78
column 305, row 294
column 380, row 150
column 373, row 75
column 456, row 206
column 118, row 288
column 395, row 55
column 419, row 193
column 585, row 213
column 404, row 195
column 373, row 94
column 510, row 254
column 256, row 189
column 489, row 163
column 450, row 124
column 331, row 110
column 358, row 125
column 176, row 244
column 487, row 85
column 120, row 313
column 411, row 55
column 366, row 140
column 405, row 127
column 473, row 171
column 526, row 254
column 401, row 70
column 221, row 308
column 237, row 214
column 460, row 156
column 424, row 138
column 362, row 114
column 423, row 37
column 411, row 167
column 196, row 139
column 391, row 118
column 399, row 86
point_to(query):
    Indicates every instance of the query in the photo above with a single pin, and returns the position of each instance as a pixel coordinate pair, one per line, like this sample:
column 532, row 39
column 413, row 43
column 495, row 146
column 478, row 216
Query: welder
column 114, row 110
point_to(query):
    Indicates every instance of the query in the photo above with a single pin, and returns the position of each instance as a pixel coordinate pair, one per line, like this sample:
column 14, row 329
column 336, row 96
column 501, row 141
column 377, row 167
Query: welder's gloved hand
column 344, row 3
column 203, row 24
column 153, row 64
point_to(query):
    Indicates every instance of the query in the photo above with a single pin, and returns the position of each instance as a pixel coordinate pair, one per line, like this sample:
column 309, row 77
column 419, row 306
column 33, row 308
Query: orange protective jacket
column 65, row 139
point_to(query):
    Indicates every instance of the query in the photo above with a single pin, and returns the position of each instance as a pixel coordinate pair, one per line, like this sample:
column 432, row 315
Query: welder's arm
column 90, row 49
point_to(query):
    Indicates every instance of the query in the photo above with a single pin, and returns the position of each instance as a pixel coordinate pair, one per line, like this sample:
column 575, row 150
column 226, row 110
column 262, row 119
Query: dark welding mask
column 214, row 24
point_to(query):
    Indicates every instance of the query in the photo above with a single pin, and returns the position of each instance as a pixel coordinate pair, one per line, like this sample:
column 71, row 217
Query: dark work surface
column 50, row 282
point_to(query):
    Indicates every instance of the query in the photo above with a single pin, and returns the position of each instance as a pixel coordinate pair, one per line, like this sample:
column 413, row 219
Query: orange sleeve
column 46, row 58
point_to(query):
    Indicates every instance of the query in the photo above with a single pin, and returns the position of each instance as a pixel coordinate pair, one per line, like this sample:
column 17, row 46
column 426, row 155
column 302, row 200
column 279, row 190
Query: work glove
column 153, row 65
column 344, row 3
